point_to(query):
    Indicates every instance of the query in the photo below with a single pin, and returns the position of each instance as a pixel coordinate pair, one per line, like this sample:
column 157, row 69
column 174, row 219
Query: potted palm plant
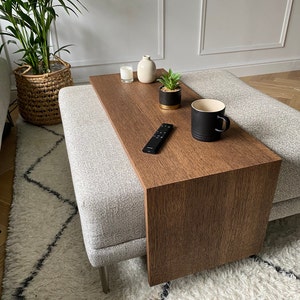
column 41, row 73
column 170, row 91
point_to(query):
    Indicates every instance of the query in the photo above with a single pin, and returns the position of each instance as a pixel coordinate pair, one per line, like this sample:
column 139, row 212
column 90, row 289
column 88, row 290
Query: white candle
column 126, row 73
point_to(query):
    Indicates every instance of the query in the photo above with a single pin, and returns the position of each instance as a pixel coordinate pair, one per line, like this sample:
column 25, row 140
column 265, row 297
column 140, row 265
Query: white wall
column 245, row 36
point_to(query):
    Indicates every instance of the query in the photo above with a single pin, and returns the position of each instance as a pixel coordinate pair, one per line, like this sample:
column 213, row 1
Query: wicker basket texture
column 38, row 94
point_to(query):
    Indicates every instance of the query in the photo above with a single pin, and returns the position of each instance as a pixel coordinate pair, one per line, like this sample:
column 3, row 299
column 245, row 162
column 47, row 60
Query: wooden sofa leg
column 104, row 279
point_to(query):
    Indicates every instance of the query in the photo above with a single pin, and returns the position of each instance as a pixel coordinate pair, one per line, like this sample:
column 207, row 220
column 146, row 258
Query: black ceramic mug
column 208, row 120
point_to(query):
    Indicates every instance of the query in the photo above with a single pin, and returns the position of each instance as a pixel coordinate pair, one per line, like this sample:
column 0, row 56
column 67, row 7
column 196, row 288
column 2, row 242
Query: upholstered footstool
column 108, row 193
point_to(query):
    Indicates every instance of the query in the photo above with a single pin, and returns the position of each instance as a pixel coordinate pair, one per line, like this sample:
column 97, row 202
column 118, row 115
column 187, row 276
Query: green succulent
column 170, row 80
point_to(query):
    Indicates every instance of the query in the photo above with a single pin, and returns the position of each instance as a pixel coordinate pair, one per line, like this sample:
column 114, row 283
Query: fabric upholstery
column 108, row 193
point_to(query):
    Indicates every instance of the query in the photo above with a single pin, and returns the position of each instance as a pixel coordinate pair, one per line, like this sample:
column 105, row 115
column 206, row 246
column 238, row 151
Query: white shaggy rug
column 46, row 257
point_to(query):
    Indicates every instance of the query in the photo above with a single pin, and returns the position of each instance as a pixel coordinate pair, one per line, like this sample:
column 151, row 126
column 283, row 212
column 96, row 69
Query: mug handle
column 227, row 123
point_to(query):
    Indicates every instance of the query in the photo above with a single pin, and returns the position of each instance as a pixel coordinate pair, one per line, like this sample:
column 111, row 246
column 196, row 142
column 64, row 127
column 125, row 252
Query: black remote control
column 158, row 138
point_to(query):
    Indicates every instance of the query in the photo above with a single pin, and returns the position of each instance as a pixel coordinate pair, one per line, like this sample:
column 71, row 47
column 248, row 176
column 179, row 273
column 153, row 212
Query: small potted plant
column 170, row 91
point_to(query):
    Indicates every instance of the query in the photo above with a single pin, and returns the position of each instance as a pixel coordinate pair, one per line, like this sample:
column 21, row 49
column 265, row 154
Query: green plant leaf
column 170, row 80
column 30, row 22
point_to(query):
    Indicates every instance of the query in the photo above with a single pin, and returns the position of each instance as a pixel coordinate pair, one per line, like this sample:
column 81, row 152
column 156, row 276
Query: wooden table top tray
column 206, row 204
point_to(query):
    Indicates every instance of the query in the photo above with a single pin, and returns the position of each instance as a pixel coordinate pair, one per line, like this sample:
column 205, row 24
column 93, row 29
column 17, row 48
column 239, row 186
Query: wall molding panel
column 245, row 29
column 116, row 39
column 286, row 21
column 244, row 36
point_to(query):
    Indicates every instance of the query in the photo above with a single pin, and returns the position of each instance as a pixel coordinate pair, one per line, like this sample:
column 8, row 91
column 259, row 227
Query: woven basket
column 38, row 94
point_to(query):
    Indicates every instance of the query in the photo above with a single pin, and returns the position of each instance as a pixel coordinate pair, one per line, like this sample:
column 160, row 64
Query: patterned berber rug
column 46, row 257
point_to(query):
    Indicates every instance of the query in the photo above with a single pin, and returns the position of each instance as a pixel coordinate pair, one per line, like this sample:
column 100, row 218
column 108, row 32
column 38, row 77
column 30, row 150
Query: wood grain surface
column 135, row 114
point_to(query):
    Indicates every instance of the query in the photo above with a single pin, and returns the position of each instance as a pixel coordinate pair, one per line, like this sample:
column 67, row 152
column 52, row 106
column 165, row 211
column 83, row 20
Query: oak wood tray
column 206, row 204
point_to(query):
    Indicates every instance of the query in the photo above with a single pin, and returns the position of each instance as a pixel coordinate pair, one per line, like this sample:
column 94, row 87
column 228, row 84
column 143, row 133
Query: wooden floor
column 282, row 86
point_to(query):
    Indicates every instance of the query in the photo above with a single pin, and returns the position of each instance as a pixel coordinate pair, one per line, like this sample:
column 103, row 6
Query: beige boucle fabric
column 108, row 193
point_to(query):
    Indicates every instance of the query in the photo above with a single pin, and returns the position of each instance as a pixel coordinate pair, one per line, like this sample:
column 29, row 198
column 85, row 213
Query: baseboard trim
column 265, row 68
column 81, row 75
